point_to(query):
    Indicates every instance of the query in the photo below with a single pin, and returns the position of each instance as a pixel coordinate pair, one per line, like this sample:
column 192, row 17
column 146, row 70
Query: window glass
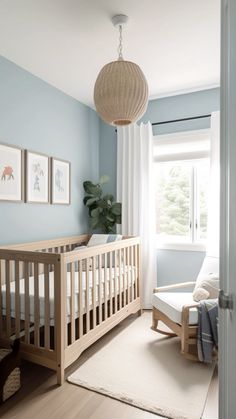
column 173, row 191
column 181, row 197
column 202, row 197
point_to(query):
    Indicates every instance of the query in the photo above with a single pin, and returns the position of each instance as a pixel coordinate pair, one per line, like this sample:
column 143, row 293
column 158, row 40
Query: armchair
column 178, row 311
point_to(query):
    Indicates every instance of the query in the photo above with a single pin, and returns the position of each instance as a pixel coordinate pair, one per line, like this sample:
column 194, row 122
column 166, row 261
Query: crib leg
column 60, row 376
column 140, row 312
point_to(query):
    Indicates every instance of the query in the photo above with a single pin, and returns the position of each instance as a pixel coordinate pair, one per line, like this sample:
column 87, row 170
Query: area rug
column 141, row 367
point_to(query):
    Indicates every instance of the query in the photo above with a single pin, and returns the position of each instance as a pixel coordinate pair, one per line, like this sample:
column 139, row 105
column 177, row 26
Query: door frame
column 227, row 318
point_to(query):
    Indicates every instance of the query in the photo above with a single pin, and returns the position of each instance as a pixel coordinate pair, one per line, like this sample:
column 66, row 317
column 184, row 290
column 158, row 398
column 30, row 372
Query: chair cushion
column 206, row 287
column 171, row 304
column 207, row 283
column 210, row 266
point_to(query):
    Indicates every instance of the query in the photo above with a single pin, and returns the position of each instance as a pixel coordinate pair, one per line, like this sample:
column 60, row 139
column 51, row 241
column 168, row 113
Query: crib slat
column 94, row 260
column 100, row 288
column 132, row 272
column 125, row 277
column 120, row 278
column 128, row 274
column 27, row 306
column 46, row 308
column 115, row 280
column 139, row 271
column 1, row 283
column 87, row 297
column 105, row 286
column 36, row 304
column 17, row 298
column 135, row 270
column 110, row 283
column 72, row 301
column 8, row 299
column 64, row 302
column 80, row 299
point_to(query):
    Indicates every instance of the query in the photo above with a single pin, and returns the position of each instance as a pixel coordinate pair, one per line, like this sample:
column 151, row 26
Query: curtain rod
column 171, row 121
column 181, row 120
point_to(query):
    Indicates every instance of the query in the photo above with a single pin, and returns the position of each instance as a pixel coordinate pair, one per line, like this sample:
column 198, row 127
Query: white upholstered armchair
column 178, row 310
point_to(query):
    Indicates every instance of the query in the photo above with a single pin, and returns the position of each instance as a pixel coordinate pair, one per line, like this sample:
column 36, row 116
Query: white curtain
column 136, row 193
column 213, row 235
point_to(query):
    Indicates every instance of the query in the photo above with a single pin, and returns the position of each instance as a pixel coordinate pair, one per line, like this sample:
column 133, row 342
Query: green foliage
column 174, row 195
column 104, row 212
column 173, row 199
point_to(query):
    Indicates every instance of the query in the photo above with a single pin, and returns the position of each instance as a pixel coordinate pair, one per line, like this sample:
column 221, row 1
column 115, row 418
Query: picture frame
column 37, row 174
column 60, row 181
column 11, row 173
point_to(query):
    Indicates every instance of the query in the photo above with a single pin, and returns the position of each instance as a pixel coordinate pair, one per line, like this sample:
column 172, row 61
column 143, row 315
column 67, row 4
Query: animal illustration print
column 7, row 173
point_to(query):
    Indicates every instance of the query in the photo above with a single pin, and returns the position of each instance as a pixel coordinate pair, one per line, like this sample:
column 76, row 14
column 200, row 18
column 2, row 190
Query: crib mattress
column 129, row 280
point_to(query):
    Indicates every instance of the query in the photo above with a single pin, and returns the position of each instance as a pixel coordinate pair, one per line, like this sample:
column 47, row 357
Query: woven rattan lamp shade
column 121, row 93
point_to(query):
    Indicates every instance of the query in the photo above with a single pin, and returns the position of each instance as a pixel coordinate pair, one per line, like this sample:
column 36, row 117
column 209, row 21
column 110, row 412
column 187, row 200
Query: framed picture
column 37, row 177
column 61, row 181
column 11, row 173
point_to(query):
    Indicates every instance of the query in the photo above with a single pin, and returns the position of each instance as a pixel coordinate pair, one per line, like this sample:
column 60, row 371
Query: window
column 181, row 189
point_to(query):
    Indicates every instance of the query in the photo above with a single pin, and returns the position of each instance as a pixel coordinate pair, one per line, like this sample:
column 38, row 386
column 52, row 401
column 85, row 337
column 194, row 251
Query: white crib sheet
column 131, row 276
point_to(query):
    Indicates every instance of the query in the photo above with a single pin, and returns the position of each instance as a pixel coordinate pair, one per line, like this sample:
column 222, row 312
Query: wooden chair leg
column 185, row 333
column 155, row 320
column 182, row 343
column 154, row 323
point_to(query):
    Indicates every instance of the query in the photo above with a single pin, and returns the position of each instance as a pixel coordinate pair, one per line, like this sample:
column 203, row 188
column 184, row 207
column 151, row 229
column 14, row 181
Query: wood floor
column 41, row 398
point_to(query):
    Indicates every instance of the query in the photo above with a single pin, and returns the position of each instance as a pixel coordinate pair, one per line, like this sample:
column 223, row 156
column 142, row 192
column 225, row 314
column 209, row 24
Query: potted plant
column 104, row 212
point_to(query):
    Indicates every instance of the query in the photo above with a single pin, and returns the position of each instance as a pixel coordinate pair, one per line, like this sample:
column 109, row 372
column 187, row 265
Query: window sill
column 190, row 247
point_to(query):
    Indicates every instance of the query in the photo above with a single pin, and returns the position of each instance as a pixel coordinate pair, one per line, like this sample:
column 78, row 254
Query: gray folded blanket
column 207, row 339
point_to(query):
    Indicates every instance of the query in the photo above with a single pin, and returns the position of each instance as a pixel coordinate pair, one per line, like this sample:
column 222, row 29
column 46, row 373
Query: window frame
column 194, row 156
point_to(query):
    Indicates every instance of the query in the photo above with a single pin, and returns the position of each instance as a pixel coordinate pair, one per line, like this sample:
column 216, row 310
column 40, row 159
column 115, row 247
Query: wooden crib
column 59, row 301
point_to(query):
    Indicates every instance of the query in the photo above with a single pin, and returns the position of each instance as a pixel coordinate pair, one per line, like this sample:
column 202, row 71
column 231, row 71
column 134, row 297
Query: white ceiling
column 66, row 42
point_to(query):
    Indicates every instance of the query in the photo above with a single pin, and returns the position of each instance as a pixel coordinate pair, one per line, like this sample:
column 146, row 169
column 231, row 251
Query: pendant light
column 121, row 89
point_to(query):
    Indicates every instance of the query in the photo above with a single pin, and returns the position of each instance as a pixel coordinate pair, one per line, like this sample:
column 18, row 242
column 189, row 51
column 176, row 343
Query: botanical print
column 37, row 177
column 37, row 173
column 59, row 177
column 10, row 173
column 60, row 182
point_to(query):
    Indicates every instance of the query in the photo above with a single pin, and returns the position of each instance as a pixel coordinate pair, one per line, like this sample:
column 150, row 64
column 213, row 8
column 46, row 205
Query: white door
column 227, row 362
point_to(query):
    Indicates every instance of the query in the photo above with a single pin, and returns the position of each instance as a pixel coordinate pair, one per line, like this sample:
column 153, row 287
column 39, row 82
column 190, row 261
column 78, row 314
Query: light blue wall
column 172, row 266
column 107, row 156
column 36, row 116
column 183, row 106
column 178, row 266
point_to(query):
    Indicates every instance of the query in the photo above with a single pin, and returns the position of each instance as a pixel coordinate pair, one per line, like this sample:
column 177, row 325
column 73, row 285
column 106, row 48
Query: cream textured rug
column 141, row 367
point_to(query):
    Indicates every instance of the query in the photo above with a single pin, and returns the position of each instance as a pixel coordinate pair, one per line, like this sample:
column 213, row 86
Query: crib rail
column 59, row 301
column 103, row 281
column 61, row 245
column 26, row 312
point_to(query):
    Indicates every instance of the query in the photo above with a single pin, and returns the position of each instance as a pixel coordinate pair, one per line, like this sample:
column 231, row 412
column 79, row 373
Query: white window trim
column 183, row 136
column 184, row 156
column 175, row 138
